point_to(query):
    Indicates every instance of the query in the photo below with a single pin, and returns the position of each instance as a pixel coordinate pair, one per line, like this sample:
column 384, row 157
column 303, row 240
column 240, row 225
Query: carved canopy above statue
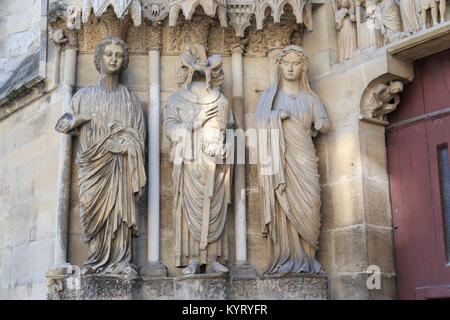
column 237, row 12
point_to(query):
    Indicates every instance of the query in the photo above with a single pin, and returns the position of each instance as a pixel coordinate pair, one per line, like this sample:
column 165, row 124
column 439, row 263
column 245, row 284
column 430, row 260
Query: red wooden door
column 417, row 143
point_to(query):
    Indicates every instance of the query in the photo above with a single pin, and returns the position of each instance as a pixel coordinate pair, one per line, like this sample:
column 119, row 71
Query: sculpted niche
column 197, row 117
column 288, row 115
column 110, row 123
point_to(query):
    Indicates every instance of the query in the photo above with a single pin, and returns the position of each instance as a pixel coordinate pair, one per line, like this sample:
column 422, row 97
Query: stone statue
column 409, row 16
column 434, row 6
column 386, row 15
column 288, row 115
column 201, row 180
column 110, row 123
column 346, row 26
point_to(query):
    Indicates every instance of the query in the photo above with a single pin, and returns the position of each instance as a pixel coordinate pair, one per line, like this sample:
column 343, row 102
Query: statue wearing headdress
column 288, row 115
column 197, row 117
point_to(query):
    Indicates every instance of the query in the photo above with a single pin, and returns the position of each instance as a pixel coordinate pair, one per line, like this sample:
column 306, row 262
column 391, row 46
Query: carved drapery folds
column 380, row 98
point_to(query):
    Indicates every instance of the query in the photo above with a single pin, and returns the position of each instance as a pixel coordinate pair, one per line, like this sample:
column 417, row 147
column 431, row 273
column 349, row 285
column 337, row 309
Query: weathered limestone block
column 202, row 287
column 66, row 283
column 281, row 287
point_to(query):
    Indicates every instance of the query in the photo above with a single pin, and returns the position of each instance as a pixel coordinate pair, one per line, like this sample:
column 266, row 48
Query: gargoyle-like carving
column 155, row 10
column 381, row 100
column 73, row 17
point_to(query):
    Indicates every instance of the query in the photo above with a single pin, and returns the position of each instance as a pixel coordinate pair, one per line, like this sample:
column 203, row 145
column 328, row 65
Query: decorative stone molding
column 210, row 7
column 240, row 13
column 121, row 9
column 301, row 9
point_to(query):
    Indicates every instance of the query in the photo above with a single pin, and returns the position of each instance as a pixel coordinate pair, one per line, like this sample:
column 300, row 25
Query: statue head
column 293, row 66
column 111, row 56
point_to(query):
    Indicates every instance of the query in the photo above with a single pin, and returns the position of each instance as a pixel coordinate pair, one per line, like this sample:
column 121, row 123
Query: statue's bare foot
column 218, row 267
column 192, row 268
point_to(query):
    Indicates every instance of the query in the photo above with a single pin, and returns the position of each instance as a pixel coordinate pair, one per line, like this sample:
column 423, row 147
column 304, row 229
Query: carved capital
column 113, row 27
column 152, row 40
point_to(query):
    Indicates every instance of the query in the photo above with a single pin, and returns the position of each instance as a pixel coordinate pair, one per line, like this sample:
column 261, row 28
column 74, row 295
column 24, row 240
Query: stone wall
column 28, row 189
column 19, row 22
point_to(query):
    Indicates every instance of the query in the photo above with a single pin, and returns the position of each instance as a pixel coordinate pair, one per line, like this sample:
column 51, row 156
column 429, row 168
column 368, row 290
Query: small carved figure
column 409, row 16
column 288, row 115
column 385, row 99
column 435, row 7
column 346, row 26
column 110, row 123
column 386, row 15
column 201, row 182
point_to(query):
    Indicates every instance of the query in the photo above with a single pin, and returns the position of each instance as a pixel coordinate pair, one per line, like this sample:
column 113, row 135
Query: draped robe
column 290, row 189
column 345, row 24
column 409, row 16
column 111, row 173
column 191, row 184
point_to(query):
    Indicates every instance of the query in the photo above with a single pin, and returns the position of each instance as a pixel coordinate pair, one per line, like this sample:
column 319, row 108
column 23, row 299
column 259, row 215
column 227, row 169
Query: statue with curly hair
column 109, row 121
column 288, row 115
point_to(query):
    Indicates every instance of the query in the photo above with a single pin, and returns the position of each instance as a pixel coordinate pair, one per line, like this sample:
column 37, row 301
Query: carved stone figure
column 384, row 99
column 201, row 181
column 110, row 123
column 386, row 15
column 288, row 115
column 435, row 6
column 346, row 26
column 409, row 16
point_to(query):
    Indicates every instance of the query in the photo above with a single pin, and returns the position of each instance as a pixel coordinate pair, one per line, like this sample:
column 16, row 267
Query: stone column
column 65, row 159
column 239, row 201
column 154, row 267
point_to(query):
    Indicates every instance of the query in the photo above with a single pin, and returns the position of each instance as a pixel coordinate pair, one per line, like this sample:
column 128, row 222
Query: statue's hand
column 284, row 114
column 70, row 121
column 64, row 124
column 206, row 114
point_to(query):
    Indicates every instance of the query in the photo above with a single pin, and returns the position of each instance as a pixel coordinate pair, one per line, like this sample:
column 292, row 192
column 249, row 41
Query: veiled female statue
column 288, row 115
column 197, row 117
column 346, row 26
column 110, row 123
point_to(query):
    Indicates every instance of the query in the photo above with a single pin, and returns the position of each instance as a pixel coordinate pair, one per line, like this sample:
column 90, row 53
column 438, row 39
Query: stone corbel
column 381, row 97
column 385, row 76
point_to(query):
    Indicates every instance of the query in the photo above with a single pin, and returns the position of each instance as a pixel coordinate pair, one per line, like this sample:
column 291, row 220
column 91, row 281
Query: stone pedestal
column 68, row 284
column 202, row 287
